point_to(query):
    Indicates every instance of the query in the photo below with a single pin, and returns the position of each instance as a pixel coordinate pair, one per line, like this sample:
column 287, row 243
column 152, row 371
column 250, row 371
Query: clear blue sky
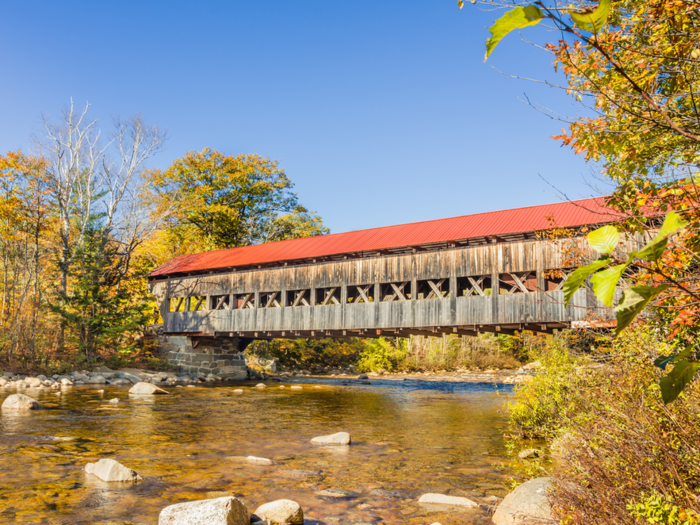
column 380, row 111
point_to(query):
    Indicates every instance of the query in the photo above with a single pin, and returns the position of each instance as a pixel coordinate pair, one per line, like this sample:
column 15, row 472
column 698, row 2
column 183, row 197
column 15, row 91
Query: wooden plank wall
column 450, row 311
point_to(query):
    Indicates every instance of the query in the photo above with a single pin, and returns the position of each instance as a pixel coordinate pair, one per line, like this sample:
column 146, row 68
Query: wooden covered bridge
column 489, row 272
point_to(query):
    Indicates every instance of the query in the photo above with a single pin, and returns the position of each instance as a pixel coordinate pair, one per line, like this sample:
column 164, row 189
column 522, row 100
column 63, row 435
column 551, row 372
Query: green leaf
column 605, row 239
column 633, row 301
column 655, row 249
column 577, row 278
column 514, row 19
column 592, row 19
column 665, row 360
column 605, row 282
column 674, row 383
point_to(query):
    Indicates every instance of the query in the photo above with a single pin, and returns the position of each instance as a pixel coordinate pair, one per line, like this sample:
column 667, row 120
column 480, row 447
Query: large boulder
column 97, row 380
column 339, row 438
column 110, row 470
column 21, row 402
column 442, row 499
column 219, row 511
column 528, row 504
column 146, row 388
column 281, row 512
column 33, row 381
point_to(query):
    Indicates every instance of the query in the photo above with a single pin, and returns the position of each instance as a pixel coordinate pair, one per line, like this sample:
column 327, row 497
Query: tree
column 223, row 201
column 86, row 181
column 634, row 65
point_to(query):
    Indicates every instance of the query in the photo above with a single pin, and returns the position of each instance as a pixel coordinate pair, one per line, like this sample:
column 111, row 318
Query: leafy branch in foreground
column 591, row 20
column 605, row 274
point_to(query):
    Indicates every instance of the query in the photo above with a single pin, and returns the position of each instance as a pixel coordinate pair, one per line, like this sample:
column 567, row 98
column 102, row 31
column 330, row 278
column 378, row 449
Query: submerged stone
column 110, row 470
column 339, row 438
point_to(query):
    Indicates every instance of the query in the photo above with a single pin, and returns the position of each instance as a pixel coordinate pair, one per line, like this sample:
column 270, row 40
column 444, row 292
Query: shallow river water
column 409, row 438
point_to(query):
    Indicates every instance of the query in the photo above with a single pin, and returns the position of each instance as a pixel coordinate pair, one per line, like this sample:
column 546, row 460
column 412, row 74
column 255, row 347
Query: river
column 409, row 438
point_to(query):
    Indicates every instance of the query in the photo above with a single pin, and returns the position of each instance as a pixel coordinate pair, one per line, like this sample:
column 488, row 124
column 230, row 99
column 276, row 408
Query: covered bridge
column 489, row 272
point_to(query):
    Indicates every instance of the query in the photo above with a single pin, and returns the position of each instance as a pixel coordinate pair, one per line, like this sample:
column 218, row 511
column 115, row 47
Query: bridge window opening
column 177, row 304
column 326, row 296
column 475, row 285
column 433, row 289
column 271, row 300
column 360, row 294
column 554, row 279
column 198, row 303
column 220, row 302
column 298, row 298
column 245, row 300
column 400, row 291
column 517, row 282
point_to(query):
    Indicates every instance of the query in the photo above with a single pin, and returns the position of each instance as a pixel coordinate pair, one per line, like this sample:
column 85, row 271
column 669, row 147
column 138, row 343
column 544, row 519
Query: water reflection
column 409, row 438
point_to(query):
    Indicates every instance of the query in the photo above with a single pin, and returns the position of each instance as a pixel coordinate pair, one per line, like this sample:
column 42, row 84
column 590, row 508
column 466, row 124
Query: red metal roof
column 505, row 222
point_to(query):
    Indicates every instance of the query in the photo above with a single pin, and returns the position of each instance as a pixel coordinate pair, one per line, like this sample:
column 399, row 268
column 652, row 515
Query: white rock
column 442, row 499
column 261, row 385
column 33, row 381
column 529, row 503
column 121, row 381
column 114, row 401
column 66, row 382
column 339, row 438
column 21, row 402
column 259, row 461
column 236, row 391
column 281, row 512
column 220, row 511
column 146, row 388
column 110, row 470
column 297, row 387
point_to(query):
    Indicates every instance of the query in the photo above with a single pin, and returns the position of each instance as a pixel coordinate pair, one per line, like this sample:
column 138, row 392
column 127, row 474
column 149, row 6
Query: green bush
column 383, row 354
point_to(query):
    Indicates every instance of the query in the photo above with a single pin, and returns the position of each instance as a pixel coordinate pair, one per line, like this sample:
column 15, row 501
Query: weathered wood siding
column 452, row 310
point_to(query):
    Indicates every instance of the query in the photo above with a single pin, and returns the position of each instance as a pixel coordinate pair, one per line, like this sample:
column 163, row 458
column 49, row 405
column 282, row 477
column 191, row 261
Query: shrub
column 628, row 457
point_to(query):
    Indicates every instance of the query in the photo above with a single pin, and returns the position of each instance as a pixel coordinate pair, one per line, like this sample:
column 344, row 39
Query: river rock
column 33, row 382
column 110, row 470
column 66, row 382
column 219, row 511
column 102, row 370
column 146, row 388
column 261, row 385
column 121, row 381
column 21, row 402
column 339, row 438
column 529, row 453
column 296, row 387
column 529, row 503
column 259, row 461
column 442, row 499
column 3, row 381
column 236, row 391
column 97, row 380
column 281, row 512
column 114, row 401
column 362, row 376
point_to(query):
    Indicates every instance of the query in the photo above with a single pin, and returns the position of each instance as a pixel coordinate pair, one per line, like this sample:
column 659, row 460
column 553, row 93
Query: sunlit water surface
column 409, row 438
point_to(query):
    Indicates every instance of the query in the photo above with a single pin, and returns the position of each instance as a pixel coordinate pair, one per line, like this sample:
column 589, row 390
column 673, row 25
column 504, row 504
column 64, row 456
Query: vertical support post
column 257, row 300
column 187, row 303
column 377, row 293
